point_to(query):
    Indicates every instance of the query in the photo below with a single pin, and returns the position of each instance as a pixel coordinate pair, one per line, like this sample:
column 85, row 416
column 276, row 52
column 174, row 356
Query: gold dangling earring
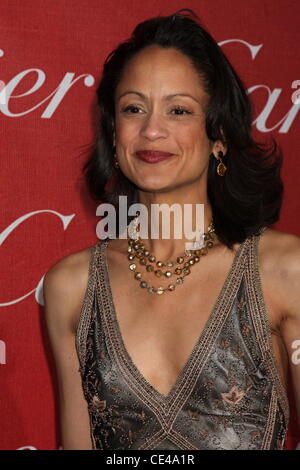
column 221, row 168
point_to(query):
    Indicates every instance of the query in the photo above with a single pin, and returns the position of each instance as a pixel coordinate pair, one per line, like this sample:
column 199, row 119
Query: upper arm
column 64, row 286
column 291, row 326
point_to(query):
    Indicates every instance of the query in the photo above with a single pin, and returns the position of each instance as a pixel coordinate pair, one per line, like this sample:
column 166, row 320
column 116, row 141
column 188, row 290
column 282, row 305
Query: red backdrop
column 51, row 55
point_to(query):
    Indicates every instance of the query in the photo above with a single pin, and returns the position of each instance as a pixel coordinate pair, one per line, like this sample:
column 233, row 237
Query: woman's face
column 155, row 121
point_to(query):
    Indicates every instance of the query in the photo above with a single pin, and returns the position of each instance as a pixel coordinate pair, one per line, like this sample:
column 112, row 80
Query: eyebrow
column 165, row 98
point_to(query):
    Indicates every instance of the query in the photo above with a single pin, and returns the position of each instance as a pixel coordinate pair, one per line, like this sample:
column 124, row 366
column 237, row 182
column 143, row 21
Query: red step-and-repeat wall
column 51, row 56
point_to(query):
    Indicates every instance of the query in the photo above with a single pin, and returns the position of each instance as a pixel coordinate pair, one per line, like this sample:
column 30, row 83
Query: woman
column 203, row 366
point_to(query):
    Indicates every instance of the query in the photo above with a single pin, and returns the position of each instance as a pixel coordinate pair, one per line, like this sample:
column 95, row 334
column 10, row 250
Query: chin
column 154, row 187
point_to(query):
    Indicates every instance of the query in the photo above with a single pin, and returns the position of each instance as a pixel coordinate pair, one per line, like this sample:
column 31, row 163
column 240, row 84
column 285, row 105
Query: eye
column 182, row 110
column 128, row 108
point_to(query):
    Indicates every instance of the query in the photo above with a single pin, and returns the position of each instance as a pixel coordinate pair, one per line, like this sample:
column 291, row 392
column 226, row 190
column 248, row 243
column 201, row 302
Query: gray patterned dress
column 229, row 394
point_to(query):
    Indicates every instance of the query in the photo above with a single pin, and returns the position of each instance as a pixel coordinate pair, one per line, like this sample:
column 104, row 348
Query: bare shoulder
column 276, row 245
column 279, row 254
column 64, row 287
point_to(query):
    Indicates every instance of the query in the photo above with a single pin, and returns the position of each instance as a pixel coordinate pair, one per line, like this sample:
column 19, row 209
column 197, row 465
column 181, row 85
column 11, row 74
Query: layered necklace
column 181, row 267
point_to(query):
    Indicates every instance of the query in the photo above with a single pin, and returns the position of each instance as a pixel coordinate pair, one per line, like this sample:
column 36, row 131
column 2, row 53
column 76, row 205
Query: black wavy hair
column 249, row 196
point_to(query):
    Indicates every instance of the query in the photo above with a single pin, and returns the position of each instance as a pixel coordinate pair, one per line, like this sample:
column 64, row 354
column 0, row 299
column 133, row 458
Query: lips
column 153, row 156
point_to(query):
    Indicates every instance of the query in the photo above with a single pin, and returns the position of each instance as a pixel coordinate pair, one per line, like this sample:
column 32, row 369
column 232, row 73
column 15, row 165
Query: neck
column 166, row 236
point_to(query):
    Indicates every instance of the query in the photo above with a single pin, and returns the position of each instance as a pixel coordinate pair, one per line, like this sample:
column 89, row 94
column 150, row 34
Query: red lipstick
column 153, row 156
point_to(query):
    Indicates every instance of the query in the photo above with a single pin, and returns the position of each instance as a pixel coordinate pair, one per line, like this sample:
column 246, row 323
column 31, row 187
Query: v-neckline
column 207, row 333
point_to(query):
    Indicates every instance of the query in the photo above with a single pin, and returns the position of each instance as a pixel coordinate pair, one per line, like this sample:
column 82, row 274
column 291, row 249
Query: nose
column 153, row 127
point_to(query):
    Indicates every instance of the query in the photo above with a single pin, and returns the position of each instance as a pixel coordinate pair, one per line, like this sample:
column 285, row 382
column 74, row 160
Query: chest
column 160, row 332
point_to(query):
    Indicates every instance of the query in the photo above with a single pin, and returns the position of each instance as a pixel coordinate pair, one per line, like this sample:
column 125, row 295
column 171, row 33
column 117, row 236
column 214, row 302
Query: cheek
column 127, row 134
column 193, row 141
column 200, row 139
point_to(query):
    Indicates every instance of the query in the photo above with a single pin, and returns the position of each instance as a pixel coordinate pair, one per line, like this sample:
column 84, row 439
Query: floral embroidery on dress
column 241, row 302
column 98, row 405
column 203, row 434
column 234, row 395
column 238, row 351
column 225, row 343
column 226, row 421
column 255, row 435
column 245, row 329
column 193, row 414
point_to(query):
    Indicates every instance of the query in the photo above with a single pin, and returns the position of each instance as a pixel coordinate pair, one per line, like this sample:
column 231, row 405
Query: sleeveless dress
column 229, row 395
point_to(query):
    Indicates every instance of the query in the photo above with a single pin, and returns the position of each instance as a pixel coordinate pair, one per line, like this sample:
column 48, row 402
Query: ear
column 219, row 145
column 223, row 143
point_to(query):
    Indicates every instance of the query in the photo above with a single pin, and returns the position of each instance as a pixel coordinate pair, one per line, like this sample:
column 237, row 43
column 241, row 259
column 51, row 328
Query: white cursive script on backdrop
column 66, row 219
column 56, row 97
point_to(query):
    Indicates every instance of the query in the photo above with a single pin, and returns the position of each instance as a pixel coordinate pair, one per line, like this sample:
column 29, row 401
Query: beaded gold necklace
column 136, row 249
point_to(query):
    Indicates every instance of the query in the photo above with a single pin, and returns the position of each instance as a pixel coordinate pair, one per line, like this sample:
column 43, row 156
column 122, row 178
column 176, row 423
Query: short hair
column 249, row 196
